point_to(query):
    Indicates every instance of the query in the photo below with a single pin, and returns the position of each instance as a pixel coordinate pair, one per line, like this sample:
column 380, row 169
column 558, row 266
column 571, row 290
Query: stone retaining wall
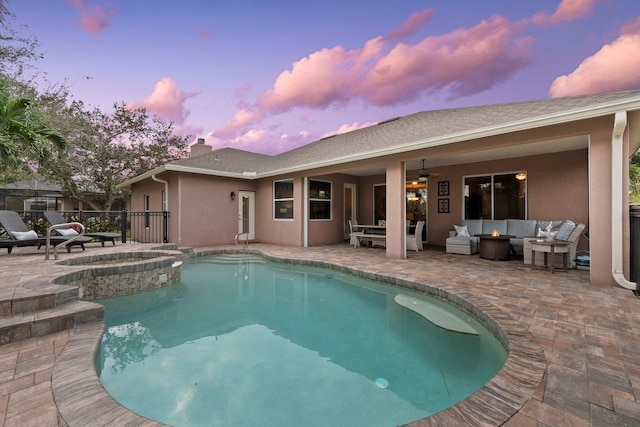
column 117, row 274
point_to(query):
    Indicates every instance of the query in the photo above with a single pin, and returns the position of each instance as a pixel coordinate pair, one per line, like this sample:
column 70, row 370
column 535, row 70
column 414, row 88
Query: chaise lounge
column 18, row 235
column 56, row 218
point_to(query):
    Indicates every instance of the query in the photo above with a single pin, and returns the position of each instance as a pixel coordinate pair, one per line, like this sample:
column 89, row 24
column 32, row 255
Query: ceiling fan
column 424, row 174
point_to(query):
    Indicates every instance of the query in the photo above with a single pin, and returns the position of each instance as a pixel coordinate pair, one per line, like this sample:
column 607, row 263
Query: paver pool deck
column 588, row 336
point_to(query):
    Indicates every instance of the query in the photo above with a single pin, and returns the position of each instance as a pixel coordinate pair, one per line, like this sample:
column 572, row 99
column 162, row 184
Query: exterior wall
column 365, row 197
column 331, row 231
column 572, row 185
column 154, row 190
column 291, row 232
column 207, row 215
column 557, row 189
column 286, row 232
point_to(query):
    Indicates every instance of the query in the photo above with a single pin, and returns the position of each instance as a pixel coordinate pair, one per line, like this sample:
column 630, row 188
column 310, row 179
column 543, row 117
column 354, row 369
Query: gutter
column 165, row 202
column 617, row 166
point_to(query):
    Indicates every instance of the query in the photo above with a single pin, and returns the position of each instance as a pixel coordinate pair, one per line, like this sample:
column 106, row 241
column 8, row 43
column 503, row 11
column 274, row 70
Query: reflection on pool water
column 244, row 342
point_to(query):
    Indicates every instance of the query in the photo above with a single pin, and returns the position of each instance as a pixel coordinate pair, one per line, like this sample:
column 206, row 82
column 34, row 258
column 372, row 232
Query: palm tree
column 24, row 134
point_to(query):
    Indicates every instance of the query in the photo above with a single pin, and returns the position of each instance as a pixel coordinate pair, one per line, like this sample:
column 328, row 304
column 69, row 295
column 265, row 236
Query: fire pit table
column 495, row 247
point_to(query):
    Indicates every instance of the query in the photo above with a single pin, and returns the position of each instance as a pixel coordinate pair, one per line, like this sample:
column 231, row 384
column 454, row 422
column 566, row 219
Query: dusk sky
column 269, row 76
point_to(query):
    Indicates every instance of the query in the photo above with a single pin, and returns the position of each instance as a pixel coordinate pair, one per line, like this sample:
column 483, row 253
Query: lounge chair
column 18, row 235
column 55, row 218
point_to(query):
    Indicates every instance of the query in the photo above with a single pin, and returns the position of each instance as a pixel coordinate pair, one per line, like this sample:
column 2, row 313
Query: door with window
column 246, row 214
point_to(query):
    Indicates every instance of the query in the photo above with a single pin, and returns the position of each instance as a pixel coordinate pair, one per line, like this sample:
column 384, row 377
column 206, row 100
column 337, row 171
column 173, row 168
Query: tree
column 25, row 135
column 108, row 149
column 634, row 178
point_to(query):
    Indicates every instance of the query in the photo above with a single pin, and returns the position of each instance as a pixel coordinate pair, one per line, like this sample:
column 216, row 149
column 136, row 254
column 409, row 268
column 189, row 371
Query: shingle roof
column 411, row 132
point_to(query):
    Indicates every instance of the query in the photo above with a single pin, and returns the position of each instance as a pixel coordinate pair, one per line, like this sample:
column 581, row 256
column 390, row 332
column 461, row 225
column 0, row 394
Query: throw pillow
column 70, row 232
column 462, row 230
column 24, row 235
column 565, row 229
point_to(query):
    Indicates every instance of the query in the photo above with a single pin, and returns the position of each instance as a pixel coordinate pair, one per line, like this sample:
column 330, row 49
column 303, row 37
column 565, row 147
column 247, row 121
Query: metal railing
column 134, row 226
column 237, row 238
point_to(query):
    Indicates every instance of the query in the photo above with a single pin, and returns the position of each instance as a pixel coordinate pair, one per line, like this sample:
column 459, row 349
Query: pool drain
column 381, row 384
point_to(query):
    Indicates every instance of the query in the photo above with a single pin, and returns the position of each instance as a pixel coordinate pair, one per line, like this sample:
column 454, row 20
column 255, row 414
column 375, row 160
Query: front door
column 349, row 207
column 246, row 214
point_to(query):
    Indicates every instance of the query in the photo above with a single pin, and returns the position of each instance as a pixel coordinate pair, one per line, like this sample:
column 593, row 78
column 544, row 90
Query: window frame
column 323, row 200
column 277, row 201
column 492, row 176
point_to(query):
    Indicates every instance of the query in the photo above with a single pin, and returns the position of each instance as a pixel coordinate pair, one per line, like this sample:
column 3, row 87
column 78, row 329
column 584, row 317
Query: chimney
column 200, row 148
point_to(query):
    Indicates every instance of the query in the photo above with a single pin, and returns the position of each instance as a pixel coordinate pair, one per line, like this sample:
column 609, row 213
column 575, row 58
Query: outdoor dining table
column 375, row 232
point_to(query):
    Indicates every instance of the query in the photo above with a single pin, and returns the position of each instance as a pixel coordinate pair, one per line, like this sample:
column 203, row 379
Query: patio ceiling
column 532, row 149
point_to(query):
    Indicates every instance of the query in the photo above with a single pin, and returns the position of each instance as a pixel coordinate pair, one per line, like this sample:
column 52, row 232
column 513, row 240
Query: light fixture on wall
column 233, row 195
column 521, row 176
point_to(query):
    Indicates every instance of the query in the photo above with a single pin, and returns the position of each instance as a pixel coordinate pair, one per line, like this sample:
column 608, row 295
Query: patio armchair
column 414, row 241
column 354, row 234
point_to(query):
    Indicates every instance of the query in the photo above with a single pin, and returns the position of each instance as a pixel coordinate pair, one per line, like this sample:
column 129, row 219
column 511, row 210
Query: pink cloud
column 382, row 72
column 411, row 25
column 93, row 18
column 242, row 118
column 348, row 128
column 468, row 61
column 166, row 101
column 567, row 11
column 607, row 70
column 323, row 77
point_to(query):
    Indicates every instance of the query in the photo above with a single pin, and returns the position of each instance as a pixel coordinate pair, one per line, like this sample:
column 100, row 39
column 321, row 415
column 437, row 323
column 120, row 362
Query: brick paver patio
column 587, row 336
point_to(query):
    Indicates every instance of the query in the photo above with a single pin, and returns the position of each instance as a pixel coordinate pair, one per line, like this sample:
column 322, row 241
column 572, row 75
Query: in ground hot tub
column 122, row 273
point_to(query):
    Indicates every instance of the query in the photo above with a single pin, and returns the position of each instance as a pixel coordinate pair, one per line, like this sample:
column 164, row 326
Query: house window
column 319, row 199
column 496, row 196
column 283, row 199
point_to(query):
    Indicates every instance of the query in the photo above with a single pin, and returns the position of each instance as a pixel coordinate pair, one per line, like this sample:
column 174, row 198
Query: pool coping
column 81, row 399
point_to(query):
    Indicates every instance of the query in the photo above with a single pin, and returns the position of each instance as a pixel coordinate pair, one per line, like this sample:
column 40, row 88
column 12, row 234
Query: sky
column 270, row 76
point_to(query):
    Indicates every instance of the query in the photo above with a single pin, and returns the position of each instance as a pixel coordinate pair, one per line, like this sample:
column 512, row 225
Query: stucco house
column 570, row 156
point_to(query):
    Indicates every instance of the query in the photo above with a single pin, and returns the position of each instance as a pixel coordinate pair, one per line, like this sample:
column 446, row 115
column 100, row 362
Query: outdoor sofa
column 464, row 239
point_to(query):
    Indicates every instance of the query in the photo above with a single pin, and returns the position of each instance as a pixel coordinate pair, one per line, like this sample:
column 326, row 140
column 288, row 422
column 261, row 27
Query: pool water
column 244, row 342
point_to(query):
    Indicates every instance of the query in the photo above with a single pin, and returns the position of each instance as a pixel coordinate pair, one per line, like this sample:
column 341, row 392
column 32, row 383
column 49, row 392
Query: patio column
column 396, row 207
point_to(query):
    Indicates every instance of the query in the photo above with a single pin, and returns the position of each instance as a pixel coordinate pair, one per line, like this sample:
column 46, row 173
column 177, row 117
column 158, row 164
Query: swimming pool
column 240, row 341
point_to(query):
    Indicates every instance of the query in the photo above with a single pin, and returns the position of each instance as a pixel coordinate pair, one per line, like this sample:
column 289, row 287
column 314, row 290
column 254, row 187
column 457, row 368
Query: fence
column 137, row 227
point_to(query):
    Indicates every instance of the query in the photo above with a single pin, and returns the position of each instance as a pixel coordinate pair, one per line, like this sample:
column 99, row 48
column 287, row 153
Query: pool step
column 43, row 312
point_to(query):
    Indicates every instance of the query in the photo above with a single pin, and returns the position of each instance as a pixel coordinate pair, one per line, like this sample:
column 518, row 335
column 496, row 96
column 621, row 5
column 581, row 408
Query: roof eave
column 584, row 113
column 186, row 169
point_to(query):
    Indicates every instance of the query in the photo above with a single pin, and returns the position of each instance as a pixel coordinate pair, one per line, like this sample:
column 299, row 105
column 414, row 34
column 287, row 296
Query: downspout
column 165, row 202
column 617, row 166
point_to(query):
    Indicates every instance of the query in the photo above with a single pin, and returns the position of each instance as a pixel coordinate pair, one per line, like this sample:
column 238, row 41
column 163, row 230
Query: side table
column 553, row 247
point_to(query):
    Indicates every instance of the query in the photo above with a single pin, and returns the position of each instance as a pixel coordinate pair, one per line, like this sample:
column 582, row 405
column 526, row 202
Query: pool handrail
column 55, row 227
